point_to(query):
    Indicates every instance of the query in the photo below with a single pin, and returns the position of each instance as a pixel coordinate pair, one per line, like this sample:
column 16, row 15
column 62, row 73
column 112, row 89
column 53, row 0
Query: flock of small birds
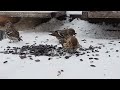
column 67, row 39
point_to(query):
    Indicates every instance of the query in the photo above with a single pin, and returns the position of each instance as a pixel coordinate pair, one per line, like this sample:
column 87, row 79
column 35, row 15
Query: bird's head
column 8, row 24
column 55, row 33
column 71, row 32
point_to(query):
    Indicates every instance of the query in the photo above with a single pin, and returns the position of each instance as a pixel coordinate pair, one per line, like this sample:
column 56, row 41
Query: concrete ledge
column 30, row 17
column 41, row 14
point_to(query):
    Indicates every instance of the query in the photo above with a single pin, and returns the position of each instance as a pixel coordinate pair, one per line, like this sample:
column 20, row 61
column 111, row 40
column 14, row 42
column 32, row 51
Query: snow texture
column 86, row 66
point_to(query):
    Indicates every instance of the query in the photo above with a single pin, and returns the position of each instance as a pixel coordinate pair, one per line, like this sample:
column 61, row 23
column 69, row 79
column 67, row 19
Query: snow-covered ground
column 106, row 67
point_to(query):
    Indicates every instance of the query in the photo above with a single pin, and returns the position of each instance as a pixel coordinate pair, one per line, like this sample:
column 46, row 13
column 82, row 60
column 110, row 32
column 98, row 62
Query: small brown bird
column 61, row 34
column 71, row 44
column 11, row 32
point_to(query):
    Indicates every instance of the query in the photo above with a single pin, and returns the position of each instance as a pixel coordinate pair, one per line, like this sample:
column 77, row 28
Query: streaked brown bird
column 62, row 34
column 11, row 32
column 71, row 44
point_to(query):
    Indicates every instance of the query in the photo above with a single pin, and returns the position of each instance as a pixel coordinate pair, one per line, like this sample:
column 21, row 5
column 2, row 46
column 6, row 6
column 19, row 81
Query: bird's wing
column 13, row 33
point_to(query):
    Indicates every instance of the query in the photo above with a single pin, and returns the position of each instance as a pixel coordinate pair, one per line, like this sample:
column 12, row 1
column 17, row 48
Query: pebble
column 5, row 61
column 91, row 58
column 49, row 58
column 92, row 65
column 96, row 58
column 67, row 57
column 81, row 59
column 37, row 60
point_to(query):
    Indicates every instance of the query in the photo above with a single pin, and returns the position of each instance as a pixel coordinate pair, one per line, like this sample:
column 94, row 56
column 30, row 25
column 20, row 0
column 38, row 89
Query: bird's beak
column 51, row 34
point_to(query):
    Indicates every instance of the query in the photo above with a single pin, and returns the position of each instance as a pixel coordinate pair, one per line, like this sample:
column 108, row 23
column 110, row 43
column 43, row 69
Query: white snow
column 106, row 67
column 74, row 12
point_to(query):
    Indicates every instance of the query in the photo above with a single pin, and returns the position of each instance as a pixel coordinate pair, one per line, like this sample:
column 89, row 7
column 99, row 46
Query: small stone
column 92, row 51
column 77, row 54
column 96, row 58
column 111, row 48
column 82, row 53
column 88, row 52
column 5, row 61
column 8, row 46
column 96, row 54
column 96, row 51
column 31, row 58
column 107, row 52
column 83, row 40
column 62, row 70
column 117, row 50
column 14, row 53
column 92, row 65
column 10, row 51
column 22, row 53
column 91, row 58
column 49, row 58
column 59, row 73
column 100, row 43
column 67, row 57
column 110, row 43
column 37, row 60
column 81, row 59
column 22, row 56
column 99, row 47
column 91, row 61
column 109, row 55
column 26, row 43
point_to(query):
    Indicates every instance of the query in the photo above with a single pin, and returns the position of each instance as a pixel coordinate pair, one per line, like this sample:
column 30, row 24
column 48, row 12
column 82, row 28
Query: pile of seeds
column 38, row 50
column 46, row 50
